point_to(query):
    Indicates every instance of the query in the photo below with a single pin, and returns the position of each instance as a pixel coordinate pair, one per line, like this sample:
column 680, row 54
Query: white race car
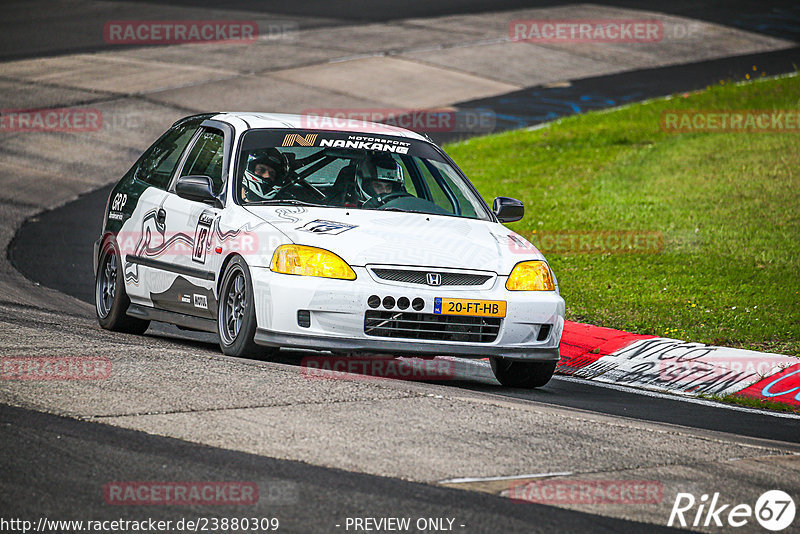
column 368, row 238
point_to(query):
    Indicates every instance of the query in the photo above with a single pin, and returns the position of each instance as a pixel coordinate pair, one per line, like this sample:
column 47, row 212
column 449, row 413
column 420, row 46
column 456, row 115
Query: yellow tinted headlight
column 531, row 276
column 310, row 261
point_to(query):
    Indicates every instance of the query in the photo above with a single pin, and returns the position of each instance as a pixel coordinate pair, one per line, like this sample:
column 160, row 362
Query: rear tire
column 236, row 317
column 111, row 300
column 522, row 374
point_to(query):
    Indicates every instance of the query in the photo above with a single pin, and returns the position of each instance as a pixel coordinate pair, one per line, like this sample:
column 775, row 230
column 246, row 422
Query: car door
column 192, row 272
column 143, row 240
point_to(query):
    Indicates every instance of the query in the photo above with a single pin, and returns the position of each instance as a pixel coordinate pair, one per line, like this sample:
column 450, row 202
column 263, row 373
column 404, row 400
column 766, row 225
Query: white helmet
column 256, row 187
column 381, row 169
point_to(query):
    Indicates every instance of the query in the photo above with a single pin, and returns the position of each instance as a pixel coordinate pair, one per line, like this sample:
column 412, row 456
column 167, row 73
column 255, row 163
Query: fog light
column 544, row 331
column 304, row 318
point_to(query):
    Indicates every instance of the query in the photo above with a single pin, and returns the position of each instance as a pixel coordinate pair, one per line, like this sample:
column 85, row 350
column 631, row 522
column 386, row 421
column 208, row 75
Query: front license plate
column 478, row 308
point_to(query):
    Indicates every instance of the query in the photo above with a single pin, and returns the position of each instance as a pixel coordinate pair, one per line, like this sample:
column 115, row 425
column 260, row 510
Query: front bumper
column 409, row 347
column 337, row 309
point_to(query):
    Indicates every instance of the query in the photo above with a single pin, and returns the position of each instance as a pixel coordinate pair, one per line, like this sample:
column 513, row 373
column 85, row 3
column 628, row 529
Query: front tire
column 111, row 300
column 236, row 317
column 522, row 374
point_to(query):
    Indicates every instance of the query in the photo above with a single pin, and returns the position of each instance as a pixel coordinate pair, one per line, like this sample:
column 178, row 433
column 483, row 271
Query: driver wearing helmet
column 377, row 178
column 264, row 171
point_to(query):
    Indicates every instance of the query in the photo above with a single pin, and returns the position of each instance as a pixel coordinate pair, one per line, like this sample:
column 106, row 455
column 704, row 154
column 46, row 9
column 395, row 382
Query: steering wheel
column 292, row 180
column 378, row 200
column 316, row 192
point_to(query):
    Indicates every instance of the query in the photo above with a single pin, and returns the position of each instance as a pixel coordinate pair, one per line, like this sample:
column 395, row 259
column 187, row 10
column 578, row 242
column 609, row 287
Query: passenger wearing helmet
column 379, row 178
column 265, row 171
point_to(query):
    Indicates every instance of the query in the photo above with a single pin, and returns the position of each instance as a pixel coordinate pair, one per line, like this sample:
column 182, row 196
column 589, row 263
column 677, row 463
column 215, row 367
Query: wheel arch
column 222, row 269
column 101, row 243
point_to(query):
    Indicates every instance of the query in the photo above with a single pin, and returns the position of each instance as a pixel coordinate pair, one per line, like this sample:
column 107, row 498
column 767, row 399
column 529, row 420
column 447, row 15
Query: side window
column 159, row 162
column 206, row 157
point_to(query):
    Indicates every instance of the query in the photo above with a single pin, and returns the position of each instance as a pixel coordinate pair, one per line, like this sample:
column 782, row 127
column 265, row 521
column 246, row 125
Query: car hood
column 363, row 237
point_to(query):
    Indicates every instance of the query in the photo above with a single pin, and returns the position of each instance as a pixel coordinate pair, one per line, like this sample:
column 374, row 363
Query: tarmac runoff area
column 413, row 431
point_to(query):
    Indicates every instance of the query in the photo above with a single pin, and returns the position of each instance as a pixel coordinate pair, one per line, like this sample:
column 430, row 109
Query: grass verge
column 752, row 402
column 726, row 204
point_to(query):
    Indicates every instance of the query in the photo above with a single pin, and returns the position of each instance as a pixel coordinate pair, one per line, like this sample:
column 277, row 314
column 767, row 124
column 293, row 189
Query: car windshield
column 357, row 171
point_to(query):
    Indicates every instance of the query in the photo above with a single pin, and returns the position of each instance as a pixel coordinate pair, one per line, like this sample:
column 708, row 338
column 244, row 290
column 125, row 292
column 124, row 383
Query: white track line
column 491, row 479
column 649, row 393
column 693, row 400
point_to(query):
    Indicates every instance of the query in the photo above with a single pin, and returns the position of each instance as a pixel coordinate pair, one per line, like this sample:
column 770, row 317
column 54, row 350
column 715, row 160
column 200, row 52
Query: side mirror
column 197, row 188
column 508, row 209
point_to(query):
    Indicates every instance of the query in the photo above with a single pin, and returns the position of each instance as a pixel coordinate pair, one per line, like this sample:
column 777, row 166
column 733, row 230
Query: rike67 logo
column 774, row 510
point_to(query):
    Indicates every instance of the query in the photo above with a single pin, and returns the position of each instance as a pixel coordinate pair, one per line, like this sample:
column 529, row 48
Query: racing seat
column 343, row 190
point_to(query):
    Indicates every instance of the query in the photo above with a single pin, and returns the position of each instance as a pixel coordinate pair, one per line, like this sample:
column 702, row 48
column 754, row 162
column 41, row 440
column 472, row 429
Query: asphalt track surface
column 66, row 462
column 44, row 28
column 74, row 460
column 64, row 237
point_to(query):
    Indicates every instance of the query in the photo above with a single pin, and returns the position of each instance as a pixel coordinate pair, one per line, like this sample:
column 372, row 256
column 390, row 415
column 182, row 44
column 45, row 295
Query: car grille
column 419, row 277
column 431, row 326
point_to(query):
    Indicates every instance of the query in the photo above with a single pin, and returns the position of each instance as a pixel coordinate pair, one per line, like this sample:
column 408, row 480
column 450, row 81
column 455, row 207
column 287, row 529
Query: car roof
column 259, row 120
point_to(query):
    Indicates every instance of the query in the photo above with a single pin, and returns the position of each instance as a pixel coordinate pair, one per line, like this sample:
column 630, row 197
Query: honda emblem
column 434, row 279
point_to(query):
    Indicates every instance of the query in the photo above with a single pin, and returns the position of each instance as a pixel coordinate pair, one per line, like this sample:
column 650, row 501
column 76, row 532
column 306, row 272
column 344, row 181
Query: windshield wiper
column 290, row 201
column 397, row 209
